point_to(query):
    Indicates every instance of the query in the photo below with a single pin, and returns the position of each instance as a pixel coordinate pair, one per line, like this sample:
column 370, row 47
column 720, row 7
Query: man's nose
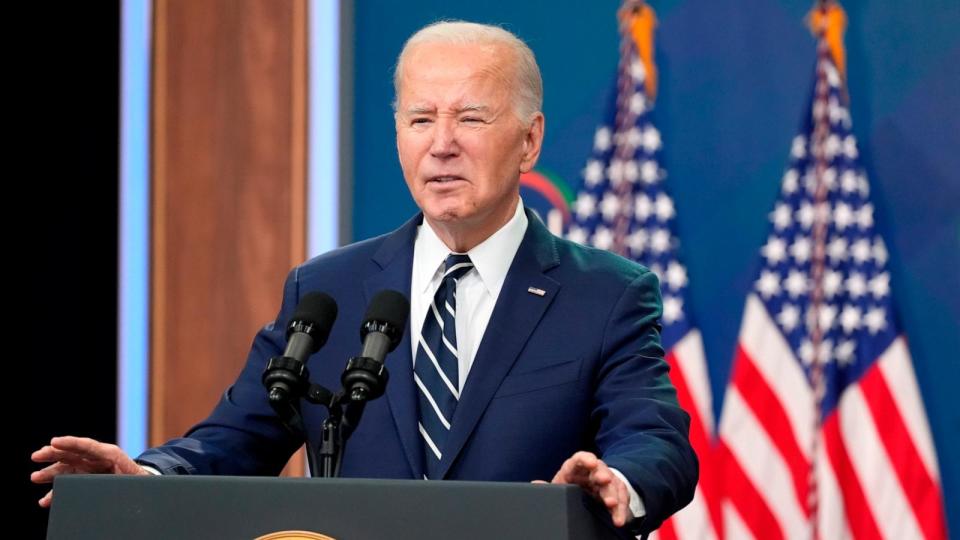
column 444, row 138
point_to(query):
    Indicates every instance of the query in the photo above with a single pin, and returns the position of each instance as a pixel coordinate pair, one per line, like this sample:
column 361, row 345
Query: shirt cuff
column 636, row 503
column 150, row 470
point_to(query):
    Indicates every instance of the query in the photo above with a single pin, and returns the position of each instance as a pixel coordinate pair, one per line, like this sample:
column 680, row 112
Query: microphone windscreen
column 388, row 307
column 318, row 310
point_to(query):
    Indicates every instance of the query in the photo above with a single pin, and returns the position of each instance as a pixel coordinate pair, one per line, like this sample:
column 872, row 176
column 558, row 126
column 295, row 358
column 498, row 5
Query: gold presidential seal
column 295, row 535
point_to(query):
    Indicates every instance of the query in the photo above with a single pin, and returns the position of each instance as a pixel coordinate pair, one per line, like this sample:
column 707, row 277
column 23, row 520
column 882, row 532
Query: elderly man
column 527, row 357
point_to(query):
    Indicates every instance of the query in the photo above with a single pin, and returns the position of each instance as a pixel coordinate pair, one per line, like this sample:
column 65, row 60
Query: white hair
column 528, row 85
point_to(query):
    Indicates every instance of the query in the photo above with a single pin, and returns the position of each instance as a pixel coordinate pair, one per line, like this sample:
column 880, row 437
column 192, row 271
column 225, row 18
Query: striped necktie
column 435, row 369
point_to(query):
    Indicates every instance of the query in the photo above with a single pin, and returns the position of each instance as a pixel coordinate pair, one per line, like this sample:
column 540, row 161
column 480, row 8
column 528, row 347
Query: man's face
column 461, row 146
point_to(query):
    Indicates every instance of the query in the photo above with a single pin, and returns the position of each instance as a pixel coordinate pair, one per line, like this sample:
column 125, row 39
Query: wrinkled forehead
column 427, row 66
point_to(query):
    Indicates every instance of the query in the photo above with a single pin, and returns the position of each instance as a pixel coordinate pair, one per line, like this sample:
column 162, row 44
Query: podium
column 106, row 506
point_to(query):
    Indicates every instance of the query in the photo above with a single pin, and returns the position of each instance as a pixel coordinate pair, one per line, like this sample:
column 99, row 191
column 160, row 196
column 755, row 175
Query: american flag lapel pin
column 536, row 291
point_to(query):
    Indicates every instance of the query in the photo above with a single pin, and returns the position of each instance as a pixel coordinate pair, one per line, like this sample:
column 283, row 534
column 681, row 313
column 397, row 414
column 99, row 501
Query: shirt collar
column 491, row 258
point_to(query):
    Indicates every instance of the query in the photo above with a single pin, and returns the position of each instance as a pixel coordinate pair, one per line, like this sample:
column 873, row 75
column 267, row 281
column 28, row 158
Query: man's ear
column 532, row 143
column 396, row 131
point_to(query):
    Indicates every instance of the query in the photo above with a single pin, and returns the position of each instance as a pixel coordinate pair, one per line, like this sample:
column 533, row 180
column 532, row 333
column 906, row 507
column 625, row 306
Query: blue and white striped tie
column 435, row 370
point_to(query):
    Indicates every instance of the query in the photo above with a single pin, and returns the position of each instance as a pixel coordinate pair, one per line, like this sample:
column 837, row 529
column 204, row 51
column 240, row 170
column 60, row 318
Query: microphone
column 366, row 376
column 286, row 376
column 383, row 324
column 310, row 325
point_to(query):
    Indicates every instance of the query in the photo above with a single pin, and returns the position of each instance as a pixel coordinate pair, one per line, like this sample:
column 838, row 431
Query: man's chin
column 447, row 214
column 446, row 218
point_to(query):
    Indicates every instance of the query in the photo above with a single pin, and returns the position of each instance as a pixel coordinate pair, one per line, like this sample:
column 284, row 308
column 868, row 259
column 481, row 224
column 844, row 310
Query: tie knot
column 456, row 266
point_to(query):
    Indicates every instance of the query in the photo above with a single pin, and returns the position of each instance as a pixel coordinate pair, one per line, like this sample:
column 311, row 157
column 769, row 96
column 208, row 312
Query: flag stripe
column 692, row 363
column 665, row 532
column 769, row 411
column 831, row 521
column 749, row 505
column 734, row 527
column 859, row 517
column 898, row 373
column 698, row 432
column 762, row 463
column 762, row 341
column 919, row 489
column 694, row 521
column 886, row 497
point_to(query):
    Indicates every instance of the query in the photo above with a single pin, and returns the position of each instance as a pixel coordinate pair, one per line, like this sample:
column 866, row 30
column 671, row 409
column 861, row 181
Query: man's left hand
column 592, row 474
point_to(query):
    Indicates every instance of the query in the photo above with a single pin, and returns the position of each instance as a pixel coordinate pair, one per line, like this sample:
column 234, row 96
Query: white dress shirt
column 477, row 290
column 477, row 293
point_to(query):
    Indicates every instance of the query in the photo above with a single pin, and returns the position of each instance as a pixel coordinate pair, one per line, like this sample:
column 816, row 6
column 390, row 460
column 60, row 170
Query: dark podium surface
column 104, row 506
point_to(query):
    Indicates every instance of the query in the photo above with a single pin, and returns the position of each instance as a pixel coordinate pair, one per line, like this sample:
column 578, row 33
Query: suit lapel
column 515, row 315
column 395, row 259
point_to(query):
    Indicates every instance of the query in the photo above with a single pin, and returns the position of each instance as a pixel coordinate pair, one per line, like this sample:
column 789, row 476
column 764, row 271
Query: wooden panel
column 229, row 123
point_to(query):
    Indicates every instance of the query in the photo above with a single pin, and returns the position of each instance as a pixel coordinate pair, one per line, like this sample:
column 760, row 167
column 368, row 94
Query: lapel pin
column 536, row 291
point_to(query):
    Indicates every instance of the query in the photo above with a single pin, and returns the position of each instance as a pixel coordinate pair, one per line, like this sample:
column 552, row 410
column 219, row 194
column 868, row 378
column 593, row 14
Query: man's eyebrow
column 465, row 108
column 420, row 110
column 473, row 108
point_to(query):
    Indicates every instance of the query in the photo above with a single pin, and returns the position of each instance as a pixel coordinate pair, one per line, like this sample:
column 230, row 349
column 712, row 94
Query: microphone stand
column 288, row 380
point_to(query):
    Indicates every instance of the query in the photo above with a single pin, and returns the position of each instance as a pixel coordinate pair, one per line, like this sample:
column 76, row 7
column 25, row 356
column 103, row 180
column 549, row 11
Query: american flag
column 823, row 433
column 623, row 207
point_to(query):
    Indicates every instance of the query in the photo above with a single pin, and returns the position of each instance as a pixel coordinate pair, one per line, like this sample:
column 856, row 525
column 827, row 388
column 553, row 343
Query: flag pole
column 827, row 23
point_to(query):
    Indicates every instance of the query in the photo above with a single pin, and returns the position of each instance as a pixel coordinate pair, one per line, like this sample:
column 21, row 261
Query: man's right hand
column 77, row 455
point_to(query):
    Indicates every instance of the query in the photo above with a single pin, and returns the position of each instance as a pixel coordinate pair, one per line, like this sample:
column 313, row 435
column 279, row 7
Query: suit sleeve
column 242, row 436
column 641, row 429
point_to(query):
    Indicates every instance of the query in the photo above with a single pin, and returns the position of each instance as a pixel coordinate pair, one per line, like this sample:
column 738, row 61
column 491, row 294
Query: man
column 526, row 357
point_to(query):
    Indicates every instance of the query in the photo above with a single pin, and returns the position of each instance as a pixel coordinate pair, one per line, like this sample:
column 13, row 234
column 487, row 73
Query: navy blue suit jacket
column 579, row 368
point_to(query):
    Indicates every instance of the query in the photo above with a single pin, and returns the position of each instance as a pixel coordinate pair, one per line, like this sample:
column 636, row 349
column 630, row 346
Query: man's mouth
column 444, row 179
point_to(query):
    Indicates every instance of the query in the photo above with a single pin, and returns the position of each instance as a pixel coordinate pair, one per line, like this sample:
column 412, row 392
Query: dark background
column 63, row 201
